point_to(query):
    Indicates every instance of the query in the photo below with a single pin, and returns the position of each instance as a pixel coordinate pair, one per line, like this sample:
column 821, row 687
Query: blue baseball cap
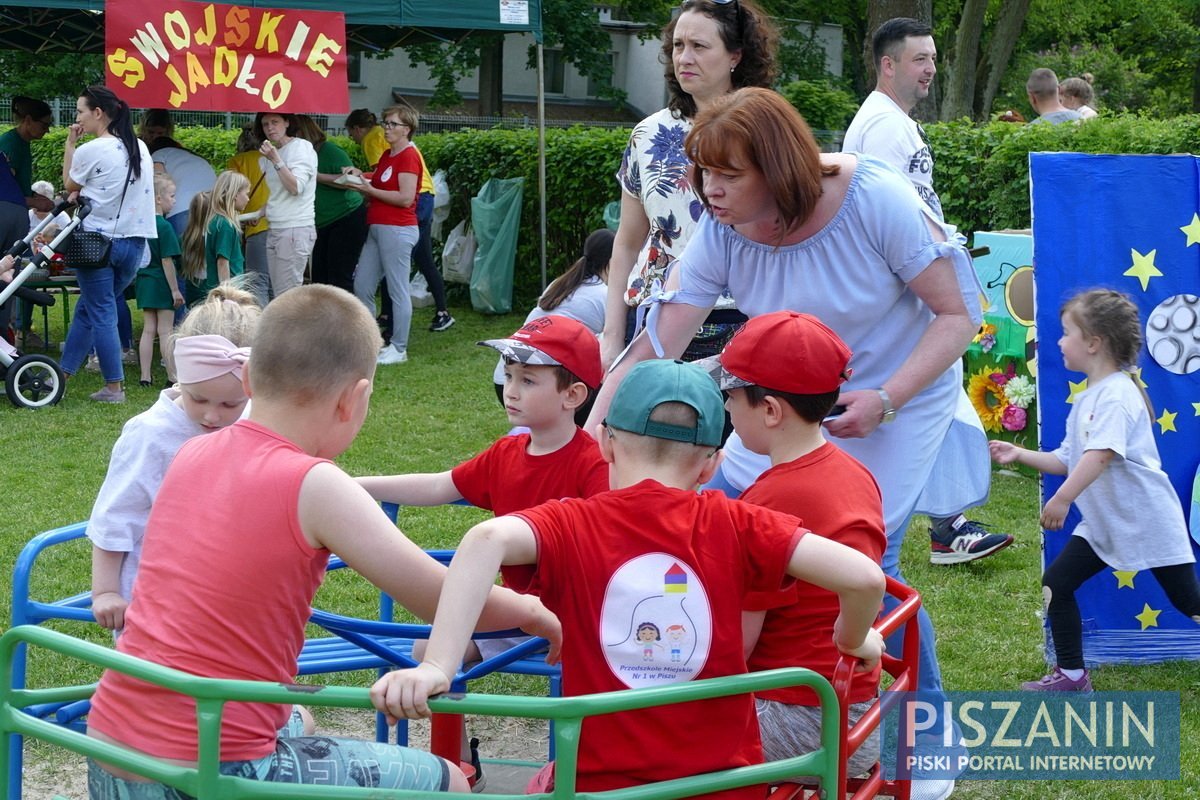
column 657, row 381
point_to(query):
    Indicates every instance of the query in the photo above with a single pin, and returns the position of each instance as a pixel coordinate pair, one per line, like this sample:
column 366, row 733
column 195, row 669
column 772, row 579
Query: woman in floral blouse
column 709, row 49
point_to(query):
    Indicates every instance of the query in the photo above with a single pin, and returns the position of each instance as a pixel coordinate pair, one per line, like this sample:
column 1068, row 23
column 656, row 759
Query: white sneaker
column 390, row 355
column 932, row 789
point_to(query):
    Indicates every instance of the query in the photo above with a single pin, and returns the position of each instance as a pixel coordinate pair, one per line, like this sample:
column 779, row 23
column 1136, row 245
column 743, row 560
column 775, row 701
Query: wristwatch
column 889, row 411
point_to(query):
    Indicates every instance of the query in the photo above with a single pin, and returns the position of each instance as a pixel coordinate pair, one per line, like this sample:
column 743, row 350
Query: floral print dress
column 656, row 170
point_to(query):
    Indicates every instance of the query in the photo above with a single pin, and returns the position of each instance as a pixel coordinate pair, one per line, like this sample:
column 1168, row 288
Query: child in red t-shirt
column 657, row 555
column 551, row 365
column 782, row 373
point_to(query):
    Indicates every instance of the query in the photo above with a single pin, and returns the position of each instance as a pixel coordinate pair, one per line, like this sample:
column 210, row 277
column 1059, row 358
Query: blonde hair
column 407, row 115
column 1079, row 89
column 162, row 180
column 229, row 311
column 195, row 268
column 223, row 198
column 312, row 341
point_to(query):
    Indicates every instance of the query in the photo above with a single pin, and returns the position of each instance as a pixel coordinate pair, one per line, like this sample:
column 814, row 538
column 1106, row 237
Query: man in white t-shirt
column 905, row 64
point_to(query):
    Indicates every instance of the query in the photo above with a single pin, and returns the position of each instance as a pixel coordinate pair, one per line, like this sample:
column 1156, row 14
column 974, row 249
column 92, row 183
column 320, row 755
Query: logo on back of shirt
column 655, row 622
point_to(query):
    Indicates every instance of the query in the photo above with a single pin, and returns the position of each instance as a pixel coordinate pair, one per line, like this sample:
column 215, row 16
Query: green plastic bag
column 496, row 220
column 612, row 215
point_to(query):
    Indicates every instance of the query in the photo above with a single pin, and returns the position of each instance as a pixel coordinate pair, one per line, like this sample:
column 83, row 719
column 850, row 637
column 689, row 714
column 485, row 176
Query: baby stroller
column 33, row 380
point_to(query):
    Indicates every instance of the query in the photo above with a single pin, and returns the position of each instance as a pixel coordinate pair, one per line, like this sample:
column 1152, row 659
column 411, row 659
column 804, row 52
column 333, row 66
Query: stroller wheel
column 34, row 381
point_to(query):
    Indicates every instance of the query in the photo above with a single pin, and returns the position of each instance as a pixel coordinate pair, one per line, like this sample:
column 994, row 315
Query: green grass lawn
column 439, row 408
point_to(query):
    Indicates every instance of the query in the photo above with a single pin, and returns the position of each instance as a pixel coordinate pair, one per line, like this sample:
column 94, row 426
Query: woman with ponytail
column 114, row 172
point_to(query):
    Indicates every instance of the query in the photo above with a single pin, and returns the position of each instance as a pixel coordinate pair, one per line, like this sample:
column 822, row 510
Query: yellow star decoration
column 1124, row 578
column 1136, row 374
column 1148, row 617
column 1143, row 268
column 1076, row 388
column 1192, row 229
column 1196, row 406
column 1167, row 421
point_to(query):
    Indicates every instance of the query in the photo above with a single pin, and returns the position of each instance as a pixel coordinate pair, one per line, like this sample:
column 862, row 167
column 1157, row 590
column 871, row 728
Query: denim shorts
column 311, row 760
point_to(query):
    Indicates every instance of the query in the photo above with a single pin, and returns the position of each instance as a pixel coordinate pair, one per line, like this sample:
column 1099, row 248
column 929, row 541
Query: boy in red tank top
column 235, row 548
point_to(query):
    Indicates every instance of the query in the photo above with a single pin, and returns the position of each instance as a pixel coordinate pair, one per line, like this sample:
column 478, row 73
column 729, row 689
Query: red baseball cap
column 785, row 351
column 555, row 341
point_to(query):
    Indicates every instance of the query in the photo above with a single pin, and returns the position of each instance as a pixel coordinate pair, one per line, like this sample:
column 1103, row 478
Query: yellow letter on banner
column 206, row 34
column 128, row 68
column 266, row 32
column 276, row 90
column 196, row 74
column 176, row 28
column 179, row 93
column 321, row 57
column 225, row 64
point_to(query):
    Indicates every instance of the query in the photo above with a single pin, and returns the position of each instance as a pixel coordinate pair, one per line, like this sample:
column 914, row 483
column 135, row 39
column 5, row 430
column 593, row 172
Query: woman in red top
column 392, row 226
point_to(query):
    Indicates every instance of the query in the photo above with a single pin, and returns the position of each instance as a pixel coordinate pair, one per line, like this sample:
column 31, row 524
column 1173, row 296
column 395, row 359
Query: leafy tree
column 1142, row 52
column 979, row 41
column 36, row 75
column 824, row 106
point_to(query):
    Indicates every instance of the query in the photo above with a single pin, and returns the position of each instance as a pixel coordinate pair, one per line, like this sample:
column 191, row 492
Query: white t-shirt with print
column 882, row 129
column 100, row 166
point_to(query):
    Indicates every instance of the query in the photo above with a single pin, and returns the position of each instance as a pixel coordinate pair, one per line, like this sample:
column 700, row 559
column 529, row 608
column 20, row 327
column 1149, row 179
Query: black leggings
column 1074, row 565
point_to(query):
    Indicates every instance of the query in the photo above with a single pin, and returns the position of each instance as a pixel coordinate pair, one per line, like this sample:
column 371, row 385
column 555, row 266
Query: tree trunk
column 958, row 88
column 491, row 77
column 1004, row 39
column 879, row 12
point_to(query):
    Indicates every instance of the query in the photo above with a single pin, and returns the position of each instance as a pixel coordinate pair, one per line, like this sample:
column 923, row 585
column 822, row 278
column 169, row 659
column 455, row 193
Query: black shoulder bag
column 91, row 249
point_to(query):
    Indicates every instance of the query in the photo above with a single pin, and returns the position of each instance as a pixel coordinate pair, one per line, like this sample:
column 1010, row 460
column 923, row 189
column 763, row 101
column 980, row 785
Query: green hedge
column 982, row 172
column 215, row 145
column 580, row 167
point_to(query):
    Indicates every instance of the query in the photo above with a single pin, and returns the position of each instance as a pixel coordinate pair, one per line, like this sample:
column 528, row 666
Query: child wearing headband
column 211, row 346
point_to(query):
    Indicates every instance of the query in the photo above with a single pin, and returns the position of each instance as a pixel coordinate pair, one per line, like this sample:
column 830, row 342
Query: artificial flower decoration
column 987, row 396
column 1002, row 378
column 986, row 338
column 1019, row 391
column 1013, row 418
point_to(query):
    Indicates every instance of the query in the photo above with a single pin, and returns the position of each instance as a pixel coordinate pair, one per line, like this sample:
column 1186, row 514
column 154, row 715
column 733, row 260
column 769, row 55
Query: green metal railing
column 206, row 783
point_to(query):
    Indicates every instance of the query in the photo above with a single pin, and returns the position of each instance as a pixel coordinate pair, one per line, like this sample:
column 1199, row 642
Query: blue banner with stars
column 1130, row 223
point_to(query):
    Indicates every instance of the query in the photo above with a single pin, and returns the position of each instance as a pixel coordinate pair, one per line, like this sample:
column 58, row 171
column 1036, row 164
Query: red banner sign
column 214, row 57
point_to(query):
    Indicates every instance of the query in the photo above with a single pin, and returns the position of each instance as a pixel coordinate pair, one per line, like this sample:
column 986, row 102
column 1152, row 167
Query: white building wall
column 643, row 79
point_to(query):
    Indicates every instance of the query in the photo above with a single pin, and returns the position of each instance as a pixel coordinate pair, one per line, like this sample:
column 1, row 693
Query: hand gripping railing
column 205, row 782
